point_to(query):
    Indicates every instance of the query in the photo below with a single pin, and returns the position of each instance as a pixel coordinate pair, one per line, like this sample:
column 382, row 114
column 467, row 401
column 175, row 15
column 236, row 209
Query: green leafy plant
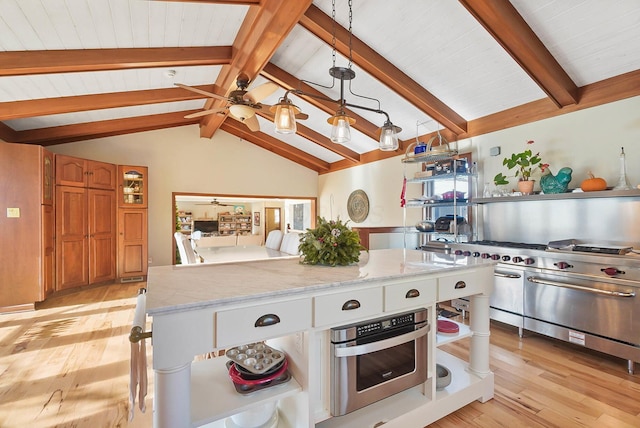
column 525, row 163
column 331, row 243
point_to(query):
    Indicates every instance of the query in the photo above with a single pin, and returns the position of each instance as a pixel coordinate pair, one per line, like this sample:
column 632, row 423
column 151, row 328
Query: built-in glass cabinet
column 133, row 186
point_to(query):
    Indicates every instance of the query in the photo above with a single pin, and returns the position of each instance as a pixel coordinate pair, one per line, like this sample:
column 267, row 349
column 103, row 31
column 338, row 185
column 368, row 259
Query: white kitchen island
column 197, row 309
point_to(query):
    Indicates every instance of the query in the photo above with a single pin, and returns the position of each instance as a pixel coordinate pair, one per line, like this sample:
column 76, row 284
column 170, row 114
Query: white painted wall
column 180, row 161
column 585, row 140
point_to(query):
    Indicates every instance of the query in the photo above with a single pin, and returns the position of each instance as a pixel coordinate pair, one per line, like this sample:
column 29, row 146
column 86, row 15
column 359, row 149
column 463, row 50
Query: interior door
column 273, row 220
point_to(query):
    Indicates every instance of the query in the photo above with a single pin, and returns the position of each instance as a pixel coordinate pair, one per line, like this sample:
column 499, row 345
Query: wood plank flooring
column 67, row 365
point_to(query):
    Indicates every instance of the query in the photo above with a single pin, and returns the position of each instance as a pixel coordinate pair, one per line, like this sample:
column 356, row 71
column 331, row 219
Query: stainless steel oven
column 576, row 291
column 375, row 359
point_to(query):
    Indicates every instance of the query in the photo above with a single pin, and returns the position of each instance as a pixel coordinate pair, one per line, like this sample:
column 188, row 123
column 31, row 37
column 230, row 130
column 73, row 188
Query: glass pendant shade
column 285, row 119
column 389, row 137
column 341, row 128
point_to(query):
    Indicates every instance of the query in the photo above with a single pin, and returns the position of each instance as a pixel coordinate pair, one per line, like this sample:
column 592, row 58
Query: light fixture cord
column 350, row 34
column 351, row 53
column 333, row 32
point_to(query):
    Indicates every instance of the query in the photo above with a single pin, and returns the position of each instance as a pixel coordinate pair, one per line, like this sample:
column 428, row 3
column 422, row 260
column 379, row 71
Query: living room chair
column 290, row 243
column 274, row 239
column 187, row 255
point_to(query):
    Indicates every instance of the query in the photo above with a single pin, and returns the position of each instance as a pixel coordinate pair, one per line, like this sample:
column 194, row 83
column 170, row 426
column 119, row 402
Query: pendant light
column 285, row 111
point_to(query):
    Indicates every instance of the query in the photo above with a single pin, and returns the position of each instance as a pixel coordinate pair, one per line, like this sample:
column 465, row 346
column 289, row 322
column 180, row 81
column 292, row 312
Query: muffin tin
column 257, row 357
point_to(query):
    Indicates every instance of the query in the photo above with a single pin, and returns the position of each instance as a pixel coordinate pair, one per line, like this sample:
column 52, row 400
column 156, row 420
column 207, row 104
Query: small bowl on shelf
column 443, row 377
column 449, row 196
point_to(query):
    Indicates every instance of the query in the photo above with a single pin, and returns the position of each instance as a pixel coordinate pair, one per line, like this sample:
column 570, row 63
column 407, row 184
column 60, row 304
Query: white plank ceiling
column 439, row 45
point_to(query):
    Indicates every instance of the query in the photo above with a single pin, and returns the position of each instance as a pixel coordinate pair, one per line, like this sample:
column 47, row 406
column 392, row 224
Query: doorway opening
column 255, row 215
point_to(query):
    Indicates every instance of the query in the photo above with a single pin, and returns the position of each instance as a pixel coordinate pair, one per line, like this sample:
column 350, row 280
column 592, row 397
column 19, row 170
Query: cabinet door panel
column 48, row 177
column 71, row 171
column 132, row 187
column 48, row 251
column 132, row 243
column 102, row 175
column 71, row 237
column 102, row 235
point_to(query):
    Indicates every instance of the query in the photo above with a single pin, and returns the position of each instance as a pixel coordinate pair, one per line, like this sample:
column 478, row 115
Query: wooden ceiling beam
column 264, row 28
column 92, row 130
column 17, row 63
column 232, row 2
column 274, row 145
column 288, row 81
column 7, row 133
column 320, row 24
column 47, row 106
column 501, row 19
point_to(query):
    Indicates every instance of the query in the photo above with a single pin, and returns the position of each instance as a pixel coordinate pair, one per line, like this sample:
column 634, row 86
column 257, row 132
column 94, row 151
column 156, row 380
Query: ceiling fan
column 215, row 203
column 242, row 104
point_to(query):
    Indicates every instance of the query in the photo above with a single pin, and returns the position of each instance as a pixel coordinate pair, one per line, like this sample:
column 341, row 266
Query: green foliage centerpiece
column 331, row 243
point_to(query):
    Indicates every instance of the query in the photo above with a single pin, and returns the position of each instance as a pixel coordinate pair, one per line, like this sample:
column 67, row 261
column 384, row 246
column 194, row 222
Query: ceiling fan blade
column 302, row 116
column 204, row 112
column 252, row 123
column 201, row 92
column 261, row 92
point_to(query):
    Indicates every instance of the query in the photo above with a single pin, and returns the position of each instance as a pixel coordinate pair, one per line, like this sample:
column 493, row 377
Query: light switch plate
column 13, row 212
column 494, row 151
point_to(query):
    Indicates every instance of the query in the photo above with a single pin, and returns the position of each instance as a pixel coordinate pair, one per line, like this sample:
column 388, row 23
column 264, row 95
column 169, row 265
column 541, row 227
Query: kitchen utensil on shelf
column 426, row 226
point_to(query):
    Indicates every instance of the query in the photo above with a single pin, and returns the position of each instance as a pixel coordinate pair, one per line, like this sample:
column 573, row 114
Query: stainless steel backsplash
column 593, row 219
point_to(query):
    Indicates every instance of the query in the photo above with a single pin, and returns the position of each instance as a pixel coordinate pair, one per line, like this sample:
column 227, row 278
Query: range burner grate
column 508, row 244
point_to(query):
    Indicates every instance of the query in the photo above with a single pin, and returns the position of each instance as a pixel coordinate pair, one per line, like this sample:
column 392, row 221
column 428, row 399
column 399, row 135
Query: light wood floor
column 66, row 365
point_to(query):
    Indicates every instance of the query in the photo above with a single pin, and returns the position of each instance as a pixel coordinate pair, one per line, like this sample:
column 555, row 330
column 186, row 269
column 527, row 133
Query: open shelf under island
column 205, row 308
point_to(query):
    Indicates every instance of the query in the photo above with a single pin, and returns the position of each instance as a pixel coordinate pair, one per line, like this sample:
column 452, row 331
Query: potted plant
column 525, row 164
column 330, row 243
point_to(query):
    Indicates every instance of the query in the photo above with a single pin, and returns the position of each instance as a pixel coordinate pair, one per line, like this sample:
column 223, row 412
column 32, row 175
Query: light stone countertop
column 189, row 287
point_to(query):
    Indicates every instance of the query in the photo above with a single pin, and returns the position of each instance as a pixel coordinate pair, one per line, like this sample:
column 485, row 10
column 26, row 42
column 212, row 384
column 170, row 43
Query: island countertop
column 180, row 288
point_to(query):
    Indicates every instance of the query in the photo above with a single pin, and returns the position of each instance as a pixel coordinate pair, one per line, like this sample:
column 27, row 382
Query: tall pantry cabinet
column 85, row 222
column 27, row 271
column 132, row 223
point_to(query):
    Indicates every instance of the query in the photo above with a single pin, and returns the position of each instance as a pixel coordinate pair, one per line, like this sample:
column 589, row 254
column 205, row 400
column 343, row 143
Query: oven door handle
column 536, row 280
column 367, row 348
column 507, row 275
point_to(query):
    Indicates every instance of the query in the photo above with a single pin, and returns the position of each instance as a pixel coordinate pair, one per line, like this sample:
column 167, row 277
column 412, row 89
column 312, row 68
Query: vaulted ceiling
column 81, row 70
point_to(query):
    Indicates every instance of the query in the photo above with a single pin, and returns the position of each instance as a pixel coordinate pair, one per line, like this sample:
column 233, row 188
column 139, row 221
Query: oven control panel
column 385, row 324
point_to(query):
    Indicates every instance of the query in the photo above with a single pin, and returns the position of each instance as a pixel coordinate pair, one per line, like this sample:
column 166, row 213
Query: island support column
column 479, row 349
column 172, row 397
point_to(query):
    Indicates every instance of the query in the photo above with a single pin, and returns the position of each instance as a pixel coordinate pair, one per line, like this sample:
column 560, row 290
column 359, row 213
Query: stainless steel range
column 574, row 291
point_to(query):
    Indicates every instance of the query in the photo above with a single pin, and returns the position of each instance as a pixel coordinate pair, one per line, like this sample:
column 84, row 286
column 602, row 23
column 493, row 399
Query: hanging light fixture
column 285, row 111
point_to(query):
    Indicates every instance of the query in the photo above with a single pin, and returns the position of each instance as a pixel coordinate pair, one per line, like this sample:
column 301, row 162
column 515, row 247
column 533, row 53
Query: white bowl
column 443, row 377
column 257, row 417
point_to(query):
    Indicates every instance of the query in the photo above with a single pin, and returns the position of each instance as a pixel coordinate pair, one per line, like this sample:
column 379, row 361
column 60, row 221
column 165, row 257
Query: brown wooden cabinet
column 86, row 236
column 132, row 222
column 85, row 222
column 132, row 243
column 72, row 244
column 132, row 188
column 26, row 225
column 72, row 171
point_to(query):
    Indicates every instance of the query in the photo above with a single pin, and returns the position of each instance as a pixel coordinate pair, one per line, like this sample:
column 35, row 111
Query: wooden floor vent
column 132, row 279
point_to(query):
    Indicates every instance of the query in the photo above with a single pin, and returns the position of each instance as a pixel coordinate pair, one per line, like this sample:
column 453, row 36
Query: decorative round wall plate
column 358, row 206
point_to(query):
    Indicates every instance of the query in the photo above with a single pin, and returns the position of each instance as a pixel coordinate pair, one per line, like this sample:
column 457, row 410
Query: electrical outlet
column 150, row 260
column 13, row 212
